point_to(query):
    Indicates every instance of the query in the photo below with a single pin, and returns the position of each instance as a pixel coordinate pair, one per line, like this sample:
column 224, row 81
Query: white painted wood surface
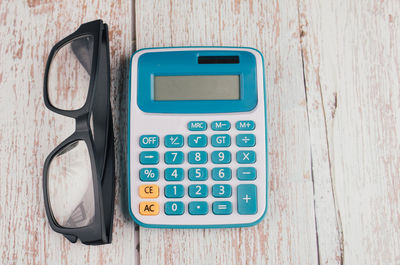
column 333, row 82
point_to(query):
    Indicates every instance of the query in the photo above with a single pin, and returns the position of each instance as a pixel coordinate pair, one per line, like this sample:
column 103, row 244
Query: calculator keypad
column 209, row 172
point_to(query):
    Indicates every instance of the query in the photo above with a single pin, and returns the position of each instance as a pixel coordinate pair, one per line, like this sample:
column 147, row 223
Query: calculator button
column 148, row 208
column 173, row 140
column 149, row 158
column 149, row 141
column 246, row 173
column 220, row 140
column 197, row 140
column 221, row 157
column 197, row 126
column 247, row 199
column 197, row 157
column 173, row 174
column 220, row 125
column 148, row 174
column 198, row 208
column 222, row 208
column 246, row 157
column 222, row 191
column 221, row 173
column 174, row 191
column 198, row 174
column 174, row 208
column 148, row 191
column 245, row 140
column 173, row 157
column 245, row 125
column 198, row 191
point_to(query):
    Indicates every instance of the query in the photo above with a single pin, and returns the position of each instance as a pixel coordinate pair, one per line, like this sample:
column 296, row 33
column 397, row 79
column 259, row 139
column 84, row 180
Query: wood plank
column 351, row 57
column 29, row 131
column 288, row 233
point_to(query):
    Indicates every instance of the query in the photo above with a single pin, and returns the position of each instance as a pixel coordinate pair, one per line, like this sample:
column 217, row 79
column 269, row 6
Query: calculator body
column 197, row 157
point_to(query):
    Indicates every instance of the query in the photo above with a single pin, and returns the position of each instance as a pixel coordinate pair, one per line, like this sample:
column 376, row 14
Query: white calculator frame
column 161, row 124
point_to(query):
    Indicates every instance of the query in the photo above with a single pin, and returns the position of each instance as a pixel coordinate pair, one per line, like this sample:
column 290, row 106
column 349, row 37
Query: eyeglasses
column 78, row 175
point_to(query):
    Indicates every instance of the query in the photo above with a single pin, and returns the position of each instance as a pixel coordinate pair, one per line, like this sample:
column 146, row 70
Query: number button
column 173, row 157
column 198, row 191
column 221, row 173
column 148, row 174
column 173, row 174
column 174, row 191
column 148, row 208
column 221, row 157
column 197, row 140
column 246, row 157
column 198, row 174
column 148, row 191
column 222, row 208
column 246, row 140
column 220, row 125
column 173, row 140
column 221, row 140
column 246, row 173
column 197, row 157
column 198, row 208
column 222, row 191
column 148, row 141
column 245, row 125
column 247, row 199
column 197, row 126
column 149, row 158
column 174, row 208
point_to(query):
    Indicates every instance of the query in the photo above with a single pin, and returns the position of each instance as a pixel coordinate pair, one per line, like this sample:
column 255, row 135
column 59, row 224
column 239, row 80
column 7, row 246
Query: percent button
column 149, row 174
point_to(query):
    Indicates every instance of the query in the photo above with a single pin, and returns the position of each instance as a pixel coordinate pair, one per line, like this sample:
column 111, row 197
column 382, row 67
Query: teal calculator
column 197, row 137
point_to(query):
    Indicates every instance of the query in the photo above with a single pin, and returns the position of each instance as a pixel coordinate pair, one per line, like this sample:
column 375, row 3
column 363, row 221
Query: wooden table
column 333, row 84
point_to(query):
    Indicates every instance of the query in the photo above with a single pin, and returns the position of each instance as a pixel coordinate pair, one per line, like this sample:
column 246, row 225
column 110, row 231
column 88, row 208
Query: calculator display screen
column 197, row 87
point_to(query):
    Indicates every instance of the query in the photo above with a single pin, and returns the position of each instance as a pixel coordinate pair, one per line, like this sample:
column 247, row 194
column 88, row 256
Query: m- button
column 149, row 141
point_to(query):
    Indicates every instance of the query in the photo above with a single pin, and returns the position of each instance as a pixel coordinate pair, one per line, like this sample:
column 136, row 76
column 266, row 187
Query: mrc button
column 197, row 126
column 149, row 141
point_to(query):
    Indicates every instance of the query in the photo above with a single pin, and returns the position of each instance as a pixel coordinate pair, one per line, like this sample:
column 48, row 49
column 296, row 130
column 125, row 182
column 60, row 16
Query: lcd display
column 197, row 87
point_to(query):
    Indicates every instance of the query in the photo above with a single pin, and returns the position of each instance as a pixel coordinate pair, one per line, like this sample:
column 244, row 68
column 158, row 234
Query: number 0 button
column 174, row 208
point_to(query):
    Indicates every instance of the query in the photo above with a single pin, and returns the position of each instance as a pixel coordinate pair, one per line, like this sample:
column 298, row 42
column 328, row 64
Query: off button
column 149, row 208
column 149, row 141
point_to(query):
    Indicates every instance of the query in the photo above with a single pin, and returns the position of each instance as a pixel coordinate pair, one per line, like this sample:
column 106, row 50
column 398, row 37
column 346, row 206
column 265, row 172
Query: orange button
column 148, row 208
column 148, row 191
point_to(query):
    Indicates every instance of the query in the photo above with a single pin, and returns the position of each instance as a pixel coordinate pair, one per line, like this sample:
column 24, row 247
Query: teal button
column 247, row 199
column 222, row 208
column 173, row 140
column 221, row 173
column 174, row 191
column 174, row 208
column 197, row 140
column 245, row 125
column 149, row 174
column 220, row 125
column 246, row 157
column 198, row 208
column 197, row 157
column 198, row 191
column 149, row 158
column 246, row 173
column 149, row 141
column 221, row 157
column 173, row 157
column 245, row 140
column 198, row 174
column 173, row 174
column 222, row 191
column 197, row 125
column 220, row 140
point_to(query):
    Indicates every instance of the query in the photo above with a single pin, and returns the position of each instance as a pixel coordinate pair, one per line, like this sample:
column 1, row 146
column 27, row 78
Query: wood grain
column 29, row 131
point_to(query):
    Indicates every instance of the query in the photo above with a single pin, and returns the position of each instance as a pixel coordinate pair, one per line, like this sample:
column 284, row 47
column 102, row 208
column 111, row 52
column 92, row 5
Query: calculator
column 197, row 137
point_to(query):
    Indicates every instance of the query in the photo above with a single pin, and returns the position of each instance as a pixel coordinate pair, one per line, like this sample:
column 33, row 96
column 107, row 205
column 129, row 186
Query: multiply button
column 148, row 141
column 148, row 208
column 245, row 125
column 246, row 157
column 247, row 199
column 148, row 191
column 220, row 125
column 245, row 140
column 197, row 126
column 173, row 140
